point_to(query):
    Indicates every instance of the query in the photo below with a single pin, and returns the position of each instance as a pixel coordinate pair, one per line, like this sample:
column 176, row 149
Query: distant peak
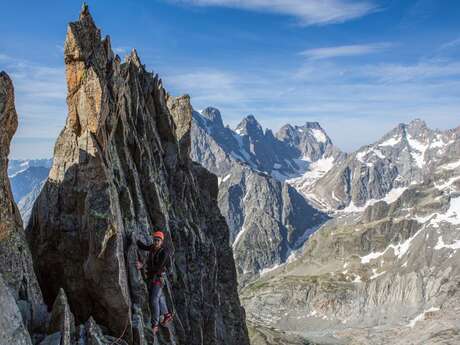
column 269, row 133
column 287, row 126
column 416, row 126
column 251, row 120
column 213, row 115
column 250, row 126
column 313, row 125
column 418, row 123
column 134, row 58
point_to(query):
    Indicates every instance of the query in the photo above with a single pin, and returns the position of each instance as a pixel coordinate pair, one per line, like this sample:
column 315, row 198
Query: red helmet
column 158, row 234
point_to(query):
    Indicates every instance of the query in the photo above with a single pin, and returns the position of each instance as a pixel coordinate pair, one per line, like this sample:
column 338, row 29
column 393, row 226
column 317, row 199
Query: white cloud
column 121, row 50
column 40, row 94
column 309, row 12
column 421, row 71
column 345, row 99
column 4, row 57
column 206, row 84
column 451, row 44
column 368, row 99
column 345, row 50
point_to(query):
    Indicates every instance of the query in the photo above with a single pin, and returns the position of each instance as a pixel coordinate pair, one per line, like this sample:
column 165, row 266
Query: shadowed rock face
column 16, row 269
column 121, row 167
column 267, row 218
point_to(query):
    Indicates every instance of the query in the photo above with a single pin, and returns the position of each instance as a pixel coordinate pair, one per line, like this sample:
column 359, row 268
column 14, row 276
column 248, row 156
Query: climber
column 157, row 264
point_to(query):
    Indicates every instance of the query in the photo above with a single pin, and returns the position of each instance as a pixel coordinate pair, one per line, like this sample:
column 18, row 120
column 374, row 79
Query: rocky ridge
column 268, row 219
column 121, row 168
column 381, row 170
column 388, row 274
column 23, row 310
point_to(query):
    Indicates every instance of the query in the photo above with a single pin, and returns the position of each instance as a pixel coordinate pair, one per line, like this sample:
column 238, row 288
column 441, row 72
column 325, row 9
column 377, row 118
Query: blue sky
column 359, row 67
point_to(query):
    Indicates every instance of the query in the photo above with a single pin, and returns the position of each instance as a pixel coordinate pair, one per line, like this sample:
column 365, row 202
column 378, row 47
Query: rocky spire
column 8, row 116
column 250, row 126
column 122, row 168
column 16, row 269
column 213, row 115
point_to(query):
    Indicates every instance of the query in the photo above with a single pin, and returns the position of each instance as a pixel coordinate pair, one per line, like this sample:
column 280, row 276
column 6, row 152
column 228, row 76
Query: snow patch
column 375, row 274
column 269, row 269
column 441, row 244
column 451, row 166
column 391, row 141
column 421, row 317
column 399, row 249
column 452, row 215
column 447, row 184
column 357, row 279
column 416, row 145
column 239, row 131
column 389, row 198
column 319, row 135
column 238, row 237
column 315, row 171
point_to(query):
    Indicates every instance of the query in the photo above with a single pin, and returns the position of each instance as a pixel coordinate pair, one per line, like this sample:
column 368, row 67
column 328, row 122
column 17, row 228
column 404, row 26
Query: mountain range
column 383, row 228
column 320, row 246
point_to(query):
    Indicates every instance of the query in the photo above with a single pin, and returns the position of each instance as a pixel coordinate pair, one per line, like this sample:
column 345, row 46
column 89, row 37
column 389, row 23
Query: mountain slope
column 268, row 219
column 22, row 183
column 400, row 158
column 386, row 275
column 122, row 169
column 26, row 185
column 16, row 166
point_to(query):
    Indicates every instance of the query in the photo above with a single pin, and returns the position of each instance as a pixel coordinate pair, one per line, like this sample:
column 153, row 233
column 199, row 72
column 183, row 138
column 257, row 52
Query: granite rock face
column 120, row 170
column 268, row 219
column 12, row 329
column 16, row 268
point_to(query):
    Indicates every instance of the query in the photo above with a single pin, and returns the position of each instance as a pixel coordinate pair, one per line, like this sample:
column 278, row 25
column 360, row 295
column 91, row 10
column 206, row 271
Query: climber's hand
column 139, row 265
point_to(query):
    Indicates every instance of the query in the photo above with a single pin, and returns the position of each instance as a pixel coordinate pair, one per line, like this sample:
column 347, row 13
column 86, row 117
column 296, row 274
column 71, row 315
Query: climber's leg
column 163, row 305
column 155, row 294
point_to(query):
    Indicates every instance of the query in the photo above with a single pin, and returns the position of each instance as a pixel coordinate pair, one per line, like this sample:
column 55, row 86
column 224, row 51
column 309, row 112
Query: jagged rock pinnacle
column 121, row 167
column 84, row 10
column 134, row 58
column 8, row 116
column 16, row 267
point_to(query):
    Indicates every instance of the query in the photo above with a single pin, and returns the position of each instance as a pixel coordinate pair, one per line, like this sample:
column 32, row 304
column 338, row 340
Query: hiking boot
column 155, row 329
column 167, row 318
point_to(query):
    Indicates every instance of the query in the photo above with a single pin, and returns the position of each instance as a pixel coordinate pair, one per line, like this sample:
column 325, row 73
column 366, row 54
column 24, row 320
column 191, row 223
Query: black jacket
column 158, row 261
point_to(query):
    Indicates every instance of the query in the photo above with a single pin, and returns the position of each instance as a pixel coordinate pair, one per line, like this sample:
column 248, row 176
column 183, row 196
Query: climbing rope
column 122, row 334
